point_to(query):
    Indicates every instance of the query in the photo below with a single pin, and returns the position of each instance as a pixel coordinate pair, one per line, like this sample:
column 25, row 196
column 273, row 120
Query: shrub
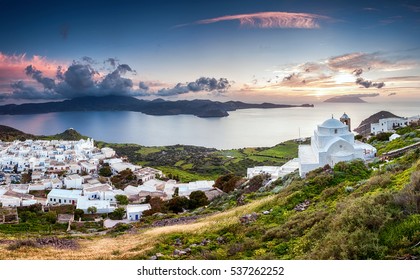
column 121, row 199
column 197, row 199
column 117, row 214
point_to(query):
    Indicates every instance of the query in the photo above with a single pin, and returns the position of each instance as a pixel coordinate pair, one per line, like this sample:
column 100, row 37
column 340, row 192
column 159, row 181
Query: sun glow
column 342, row 78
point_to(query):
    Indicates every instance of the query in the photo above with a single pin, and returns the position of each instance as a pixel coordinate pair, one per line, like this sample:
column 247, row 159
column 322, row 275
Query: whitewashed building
column 102, row 206
column 332, row 142
column 73, row 181
column 60, row 196
column 135, row 211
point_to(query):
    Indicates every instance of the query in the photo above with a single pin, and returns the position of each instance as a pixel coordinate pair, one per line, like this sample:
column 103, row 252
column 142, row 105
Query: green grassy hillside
column 352, row 212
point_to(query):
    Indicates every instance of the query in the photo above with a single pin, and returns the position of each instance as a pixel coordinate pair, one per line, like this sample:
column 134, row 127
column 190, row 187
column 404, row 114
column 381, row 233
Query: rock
column 179, row 252
column 302, row 206
column 249, row 218
column 159, row 255
column 178, row 242
column 266, row 212
column 205, row 242
column 193, row 245
column 240, row 201
column 188, row 250
column 220, row 239
column 153, row 258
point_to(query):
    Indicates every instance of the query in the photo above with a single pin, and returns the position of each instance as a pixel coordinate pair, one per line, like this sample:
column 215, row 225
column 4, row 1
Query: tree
column 176, row 192
column 178, row 204
column 105, row 171
column 26, row 178
column 118, row 214
column 51, row 217
column 198, row 199
column 78, row 214
column 121, row 199
column 92, row 209
column 227, row 183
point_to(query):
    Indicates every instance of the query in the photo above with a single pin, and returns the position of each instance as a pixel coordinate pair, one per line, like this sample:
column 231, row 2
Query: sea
column 242, row 128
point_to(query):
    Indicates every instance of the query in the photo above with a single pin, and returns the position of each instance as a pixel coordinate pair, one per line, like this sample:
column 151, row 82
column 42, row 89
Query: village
column 57, row 172
column 94, row 181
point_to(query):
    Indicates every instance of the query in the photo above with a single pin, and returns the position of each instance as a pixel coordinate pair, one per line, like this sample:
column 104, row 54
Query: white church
column 332, row 142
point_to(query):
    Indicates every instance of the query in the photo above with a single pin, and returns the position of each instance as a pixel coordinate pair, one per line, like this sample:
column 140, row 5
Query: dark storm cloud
column 82, row 79
column 368, row 84
column 23, row 91
column 113, row 83
column 112, row 61
column 201, row 84
column 35, row 74
column 143, row 86
column 79, row 77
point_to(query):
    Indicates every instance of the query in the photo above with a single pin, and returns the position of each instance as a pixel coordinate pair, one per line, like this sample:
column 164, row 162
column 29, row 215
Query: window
column 335, row 131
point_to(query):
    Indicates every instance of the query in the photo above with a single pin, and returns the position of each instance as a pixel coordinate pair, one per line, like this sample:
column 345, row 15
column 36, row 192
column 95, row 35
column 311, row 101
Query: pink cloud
column 12, row 68
column 270, row 20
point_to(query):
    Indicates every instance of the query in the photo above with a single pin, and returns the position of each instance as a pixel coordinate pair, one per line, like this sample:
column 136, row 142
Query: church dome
column 332, row 123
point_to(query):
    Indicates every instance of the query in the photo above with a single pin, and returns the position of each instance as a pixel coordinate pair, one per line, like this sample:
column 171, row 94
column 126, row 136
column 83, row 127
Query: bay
column 243, row 128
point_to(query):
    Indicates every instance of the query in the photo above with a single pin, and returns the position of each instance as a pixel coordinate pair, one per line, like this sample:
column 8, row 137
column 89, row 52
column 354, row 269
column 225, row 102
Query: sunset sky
column 250, row 50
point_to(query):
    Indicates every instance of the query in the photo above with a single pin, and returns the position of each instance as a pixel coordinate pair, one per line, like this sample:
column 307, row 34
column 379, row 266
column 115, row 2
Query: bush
column 121, row 199
column 78, row 214
column 197, row 199
column 118, row 214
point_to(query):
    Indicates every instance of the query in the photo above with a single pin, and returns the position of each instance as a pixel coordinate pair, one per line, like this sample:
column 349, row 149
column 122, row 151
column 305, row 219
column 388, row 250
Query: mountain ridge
column 203, row 108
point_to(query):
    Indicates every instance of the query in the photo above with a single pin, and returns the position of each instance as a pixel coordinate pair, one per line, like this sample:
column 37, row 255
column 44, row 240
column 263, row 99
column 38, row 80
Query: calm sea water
column 243, row 128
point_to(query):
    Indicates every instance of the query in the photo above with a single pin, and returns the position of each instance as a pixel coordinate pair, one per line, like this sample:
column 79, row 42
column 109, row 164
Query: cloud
column 368, row 84
column 361, row 95
column 357, row 72
column 368, row 61
column 82, row 79
column 31, row 71
column 269, row 20
column 201, row 84
column 144, row 86
column 114, row 83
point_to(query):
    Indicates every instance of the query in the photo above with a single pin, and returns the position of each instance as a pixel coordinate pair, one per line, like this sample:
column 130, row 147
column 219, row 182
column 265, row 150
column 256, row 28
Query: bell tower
column 346, row 120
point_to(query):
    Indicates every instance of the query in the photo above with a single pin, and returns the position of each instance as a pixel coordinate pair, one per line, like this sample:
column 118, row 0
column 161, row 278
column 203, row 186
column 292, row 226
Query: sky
column 282, row 51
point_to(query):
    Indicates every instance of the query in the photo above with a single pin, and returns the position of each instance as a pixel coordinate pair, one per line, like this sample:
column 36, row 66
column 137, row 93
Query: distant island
column 345, row 99
column 158, row 107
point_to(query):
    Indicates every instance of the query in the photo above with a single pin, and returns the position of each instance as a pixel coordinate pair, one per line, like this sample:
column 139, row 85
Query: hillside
column 364, row 126
column 347, row 212
column 188, row 163
column 9, row 134
column 159, row 107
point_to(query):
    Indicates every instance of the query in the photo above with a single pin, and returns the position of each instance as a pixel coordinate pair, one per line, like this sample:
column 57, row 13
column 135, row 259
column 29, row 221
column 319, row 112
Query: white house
column 88, row 167
column 389, row 124
column 147, row 173
column 108, row 152
column 332, row 142
column 135, row 211
column 60, row 196
column 102, row 206
column 187, row 189
column 273, row 171
column 73, row 181
column 121, row 166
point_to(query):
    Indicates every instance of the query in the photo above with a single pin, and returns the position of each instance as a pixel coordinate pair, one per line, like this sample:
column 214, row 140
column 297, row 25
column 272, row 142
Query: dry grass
column 129, row 246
